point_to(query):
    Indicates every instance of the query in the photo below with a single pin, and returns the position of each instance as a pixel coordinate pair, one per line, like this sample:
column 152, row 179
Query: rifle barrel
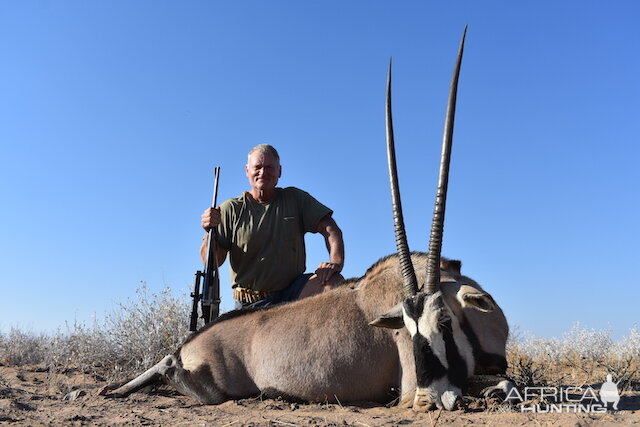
column 211, row 285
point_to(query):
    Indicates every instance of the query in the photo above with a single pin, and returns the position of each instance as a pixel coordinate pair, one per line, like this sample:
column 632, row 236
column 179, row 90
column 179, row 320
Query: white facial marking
column 428, row 327
column 410, row 324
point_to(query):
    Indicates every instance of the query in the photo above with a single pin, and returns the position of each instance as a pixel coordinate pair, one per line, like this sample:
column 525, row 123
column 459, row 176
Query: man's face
column 263, row 171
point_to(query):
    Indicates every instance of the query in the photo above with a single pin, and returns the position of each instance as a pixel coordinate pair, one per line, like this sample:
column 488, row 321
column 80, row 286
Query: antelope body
column 322, row 348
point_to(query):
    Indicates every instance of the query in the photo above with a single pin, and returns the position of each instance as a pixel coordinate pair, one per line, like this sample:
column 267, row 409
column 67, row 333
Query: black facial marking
column 428, row 366
column 414, row 306
column 486, row 363
column 457, row 372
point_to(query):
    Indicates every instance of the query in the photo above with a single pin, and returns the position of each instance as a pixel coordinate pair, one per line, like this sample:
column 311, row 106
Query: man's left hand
column 326, row 270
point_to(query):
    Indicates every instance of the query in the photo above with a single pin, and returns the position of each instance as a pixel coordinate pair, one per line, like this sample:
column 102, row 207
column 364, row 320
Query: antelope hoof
column 423, row 402
column 407, row 401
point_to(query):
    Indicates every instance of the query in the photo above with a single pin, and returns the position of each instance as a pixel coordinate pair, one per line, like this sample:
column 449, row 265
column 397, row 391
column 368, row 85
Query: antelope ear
column 468, row 296
column 392, row 319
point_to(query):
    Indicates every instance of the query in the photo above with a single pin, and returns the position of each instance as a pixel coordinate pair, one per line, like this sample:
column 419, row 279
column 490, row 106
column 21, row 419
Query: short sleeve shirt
column 265, row 241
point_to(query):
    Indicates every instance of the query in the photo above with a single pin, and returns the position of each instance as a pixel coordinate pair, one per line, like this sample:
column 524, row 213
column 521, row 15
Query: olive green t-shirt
column 265, row 241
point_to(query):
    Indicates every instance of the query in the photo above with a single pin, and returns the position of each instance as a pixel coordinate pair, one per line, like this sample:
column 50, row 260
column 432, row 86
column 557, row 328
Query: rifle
column 210, row 295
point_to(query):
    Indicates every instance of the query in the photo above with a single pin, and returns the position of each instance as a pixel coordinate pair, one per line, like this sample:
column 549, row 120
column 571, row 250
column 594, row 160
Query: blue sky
column 114, row 113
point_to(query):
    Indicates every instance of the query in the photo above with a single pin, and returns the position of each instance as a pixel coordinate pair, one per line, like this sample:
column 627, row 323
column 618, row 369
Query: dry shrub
column 141, row 332
column 132, row 338
column 582, row 357
column 525, row 371
column 81, row 347
column 19, row 348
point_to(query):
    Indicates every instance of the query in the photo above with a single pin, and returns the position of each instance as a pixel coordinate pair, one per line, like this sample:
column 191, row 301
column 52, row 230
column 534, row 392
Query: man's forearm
column 336, row 253
column 333, row 240
column 221, row 254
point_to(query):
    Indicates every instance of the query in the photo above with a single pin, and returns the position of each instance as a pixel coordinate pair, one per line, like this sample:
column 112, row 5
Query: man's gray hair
column 264, row 148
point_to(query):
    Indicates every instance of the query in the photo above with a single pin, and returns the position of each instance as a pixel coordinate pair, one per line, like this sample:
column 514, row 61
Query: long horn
column 409, row 281
column 437, row 225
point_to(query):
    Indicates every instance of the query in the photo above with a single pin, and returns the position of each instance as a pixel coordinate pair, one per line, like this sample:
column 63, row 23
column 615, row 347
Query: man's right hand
column 210, row 218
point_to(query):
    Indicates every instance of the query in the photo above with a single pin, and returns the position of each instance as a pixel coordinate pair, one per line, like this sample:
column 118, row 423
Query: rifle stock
column 193, row 322
column 210, row 296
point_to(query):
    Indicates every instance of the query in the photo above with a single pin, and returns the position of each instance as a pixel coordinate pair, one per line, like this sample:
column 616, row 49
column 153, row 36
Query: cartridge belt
column 248, row 296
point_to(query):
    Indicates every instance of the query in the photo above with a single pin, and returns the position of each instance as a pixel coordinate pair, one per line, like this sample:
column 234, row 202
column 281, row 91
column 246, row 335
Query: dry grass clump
column 132, row 338
column 142, row 333
column 19, row 348
column 581, row 357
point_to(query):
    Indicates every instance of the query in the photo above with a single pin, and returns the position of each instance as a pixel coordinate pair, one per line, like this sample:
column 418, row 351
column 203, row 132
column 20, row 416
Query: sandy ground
column 31, row 396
